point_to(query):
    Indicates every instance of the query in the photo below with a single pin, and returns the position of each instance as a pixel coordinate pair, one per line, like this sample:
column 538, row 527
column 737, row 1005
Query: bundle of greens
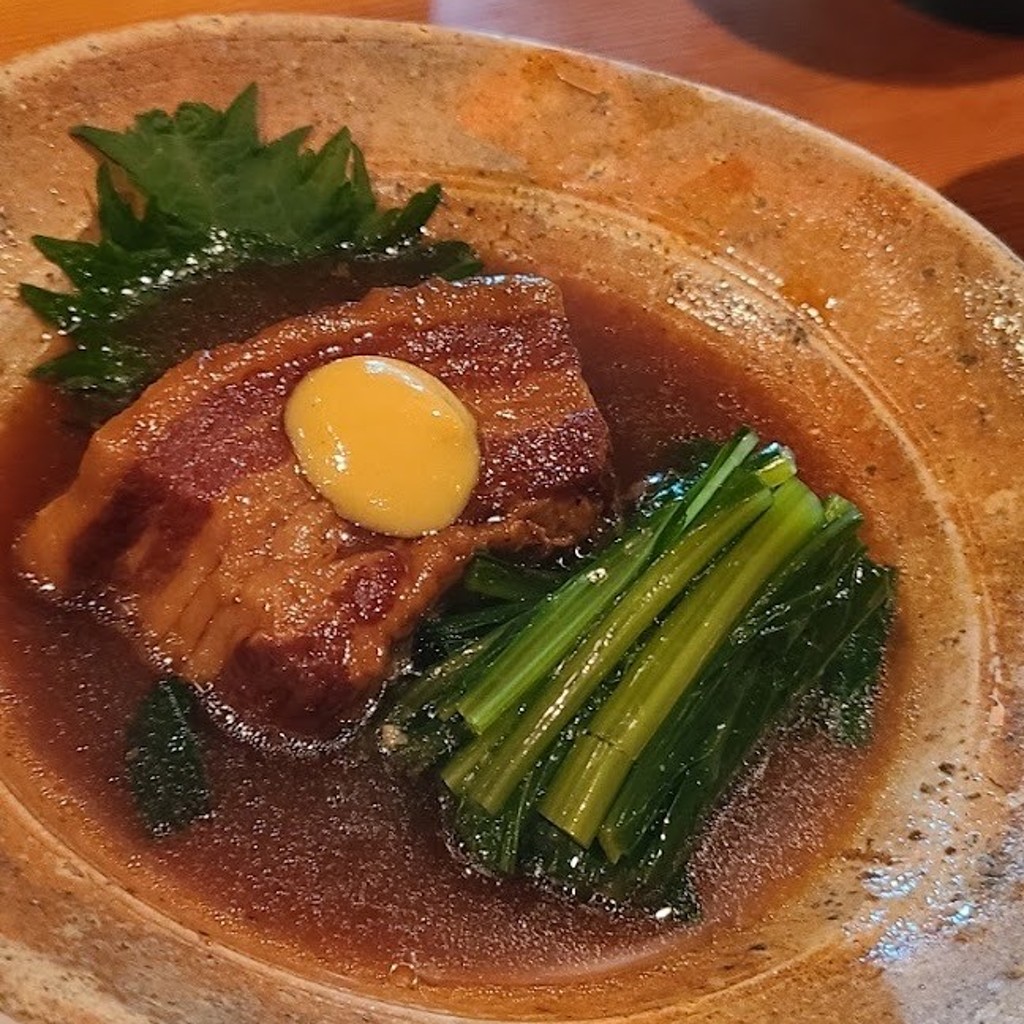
column 196, row 194
column 585, row 727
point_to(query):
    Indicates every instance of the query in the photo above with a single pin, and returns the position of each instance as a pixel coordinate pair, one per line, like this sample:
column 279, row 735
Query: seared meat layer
column 190, row 524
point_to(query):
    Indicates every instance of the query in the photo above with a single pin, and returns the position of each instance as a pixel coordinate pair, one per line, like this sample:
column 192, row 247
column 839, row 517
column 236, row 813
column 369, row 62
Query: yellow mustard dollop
column 388, row 444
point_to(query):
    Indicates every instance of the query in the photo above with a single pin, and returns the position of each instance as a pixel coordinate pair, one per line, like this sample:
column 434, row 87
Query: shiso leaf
column 204, row 196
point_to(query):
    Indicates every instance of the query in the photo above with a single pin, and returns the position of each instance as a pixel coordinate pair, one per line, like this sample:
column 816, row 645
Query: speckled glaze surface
column 875, row 310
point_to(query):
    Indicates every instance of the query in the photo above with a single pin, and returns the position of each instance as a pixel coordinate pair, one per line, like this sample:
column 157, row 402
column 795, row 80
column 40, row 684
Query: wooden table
column 945, row 103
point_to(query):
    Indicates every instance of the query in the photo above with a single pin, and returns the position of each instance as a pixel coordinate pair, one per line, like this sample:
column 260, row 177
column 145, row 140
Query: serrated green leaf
column 215, row 198
column 185, row 161
column 76, row 259
column 117, row 221
column 393, row 227
column 360, row 178
column 56, row 307
column 209, row 169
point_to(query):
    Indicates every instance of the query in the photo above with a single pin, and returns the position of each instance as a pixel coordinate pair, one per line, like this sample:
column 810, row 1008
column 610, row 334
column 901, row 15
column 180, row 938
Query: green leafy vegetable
column 491, row 593
column 164, row 761
column 672, row 660
column 215, row 198
column 490, row 577
column 607, row 643
column 558, row 621
column 846, row 694
column 592, row 759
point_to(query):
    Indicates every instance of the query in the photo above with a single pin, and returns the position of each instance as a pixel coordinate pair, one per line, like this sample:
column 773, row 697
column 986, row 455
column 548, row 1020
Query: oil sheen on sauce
column 336, row 856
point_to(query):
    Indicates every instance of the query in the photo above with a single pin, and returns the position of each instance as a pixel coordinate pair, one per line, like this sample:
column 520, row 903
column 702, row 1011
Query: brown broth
column 339, row 858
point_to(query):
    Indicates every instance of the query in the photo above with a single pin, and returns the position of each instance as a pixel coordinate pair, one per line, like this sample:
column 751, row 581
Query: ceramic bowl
column 881, row 316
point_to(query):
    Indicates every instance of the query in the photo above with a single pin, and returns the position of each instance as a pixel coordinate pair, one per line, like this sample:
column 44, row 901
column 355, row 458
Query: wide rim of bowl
column 25, row 64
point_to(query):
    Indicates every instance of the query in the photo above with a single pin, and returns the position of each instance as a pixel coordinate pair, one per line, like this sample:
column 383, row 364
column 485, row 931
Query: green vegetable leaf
column 845, row 695
column 164, row 760
column 755, row 599
column 209, row 168
column 204, row 196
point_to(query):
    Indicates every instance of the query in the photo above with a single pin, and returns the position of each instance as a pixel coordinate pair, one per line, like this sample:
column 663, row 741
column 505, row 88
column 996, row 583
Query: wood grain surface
column 944, row 102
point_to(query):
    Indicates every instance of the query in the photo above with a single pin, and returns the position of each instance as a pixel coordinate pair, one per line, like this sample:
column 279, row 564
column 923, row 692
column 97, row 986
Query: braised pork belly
column 191, row 526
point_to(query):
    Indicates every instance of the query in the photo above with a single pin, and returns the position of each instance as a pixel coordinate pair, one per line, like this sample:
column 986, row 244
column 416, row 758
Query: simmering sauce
column 339, row 857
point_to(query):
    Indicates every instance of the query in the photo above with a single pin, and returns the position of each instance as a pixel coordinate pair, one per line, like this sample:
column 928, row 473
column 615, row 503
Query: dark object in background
column 904, row 41
column 994, row 195
column 1004, row 16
